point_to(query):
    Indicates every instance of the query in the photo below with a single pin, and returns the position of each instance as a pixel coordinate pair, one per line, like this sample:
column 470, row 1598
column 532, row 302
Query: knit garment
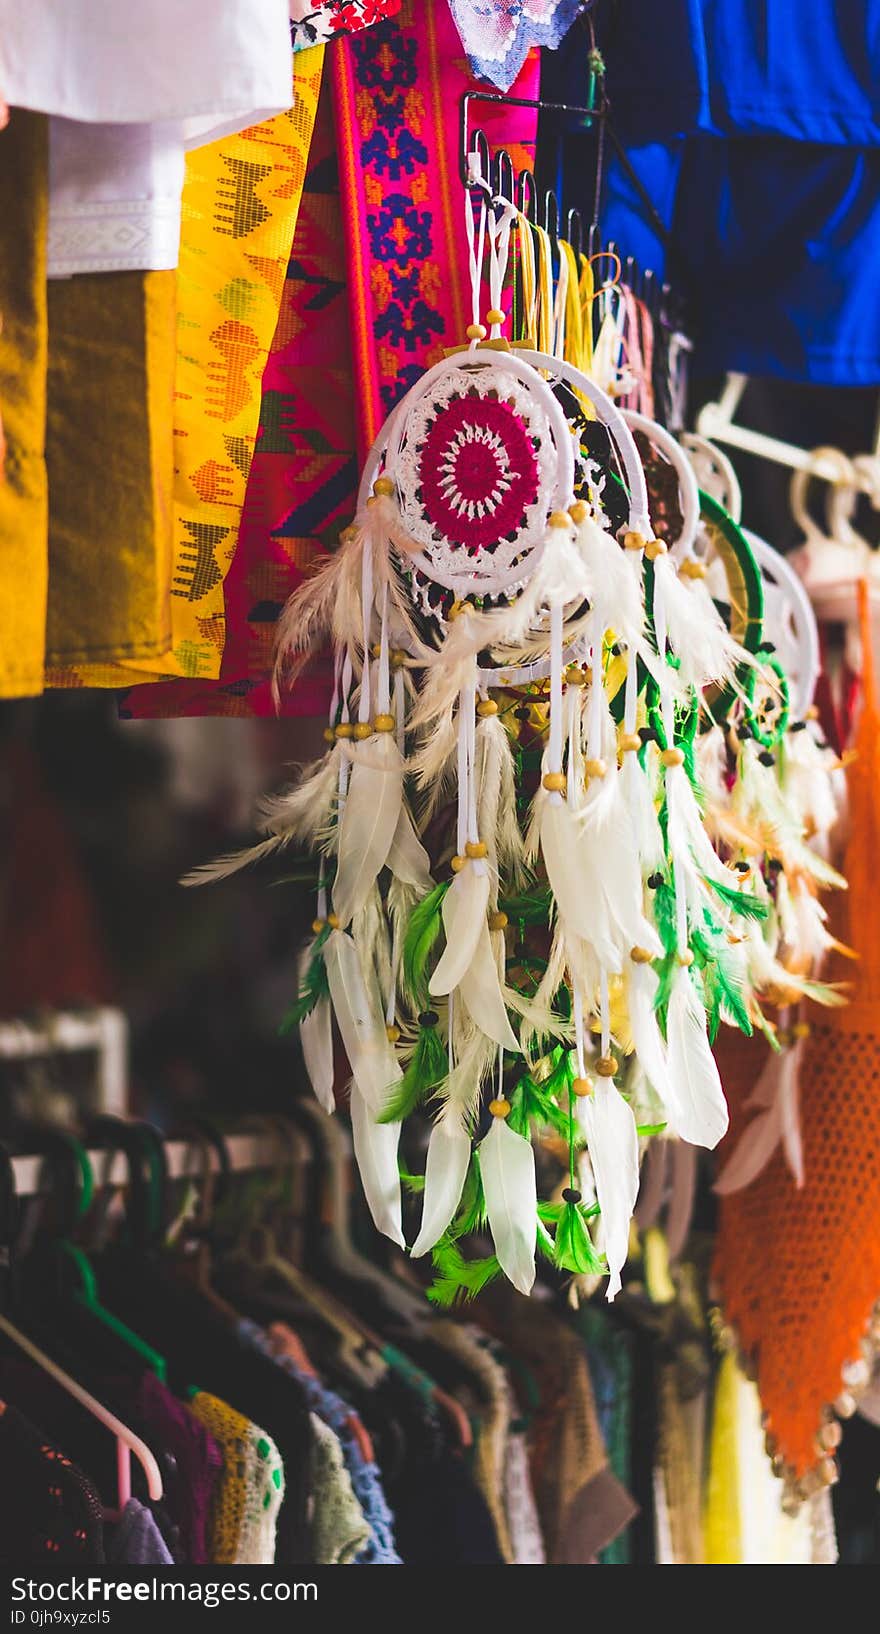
column 339, row 1527
column 366, row 1479
column 53, row 1512
column 250, row 1490
column 136, row 1539
column 493, row 1419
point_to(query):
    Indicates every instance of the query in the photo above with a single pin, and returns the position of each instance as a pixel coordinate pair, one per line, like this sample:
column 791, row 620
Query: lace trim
column 498, row 34
column 137, row 236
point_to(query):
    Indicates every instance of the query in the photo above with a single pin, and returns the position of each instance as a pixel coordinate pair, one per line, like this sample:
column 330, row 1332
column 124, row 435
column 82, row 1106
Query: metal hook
column 574, row 232
column 527, row 196
column 503, row 178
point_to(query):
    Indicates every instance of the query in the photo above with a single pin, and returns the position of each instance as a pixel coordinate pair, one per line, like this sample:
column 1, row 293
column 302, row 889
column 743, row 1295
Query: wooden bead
column 582, row 1087
column 487, row 706
column 397, row 657
column 830, row 1436
column 383, row 486
column 559, row 519
column 494, row 316
column 392, row 1033
column 556, row 782
column 630, row 742
column 828, row 1472
column 606, row 1066
column 672, row 757
column 457, row 864
column 845, row 1405
column 318, row 926
column 654, row 548
column 499, row 1108
column 333, row 921
column 801, row 1029
column 595, row 768
column 686, row 958
column 578, row 511
column 362, row 731
column 476, row 331
column 476, row 848
column 692, row 569
column 575, row 676
column 498, row 921
column 329, row 734
column 634, row 541
column 383, row 723
column 459, row 607
column 641, row 955
column 345, row 730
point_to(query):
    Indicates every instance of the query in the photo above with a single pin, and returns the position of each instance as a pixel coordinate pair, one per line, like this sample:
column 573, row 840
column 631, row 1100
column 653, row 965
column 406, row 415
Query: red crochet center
column 478, row 471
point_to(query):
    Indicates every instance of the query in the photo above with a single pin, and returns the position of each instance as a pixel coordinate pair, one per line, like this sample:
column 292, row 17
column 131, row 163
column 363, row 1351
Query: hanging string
column 545, row 290
column 573, row 340
column 554, row 745
column 528, row 278
column 560, row 307
column 502, row 219
column 586, row 296
column 344, row 762
column 367, row 614
column 476, row 240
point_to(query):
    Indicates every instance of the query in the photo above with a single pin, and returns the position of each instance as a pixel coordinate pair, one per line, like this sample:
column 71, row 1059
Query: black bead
column 768, row 646
column 654, row 881
column 774, row 866
column 798, row 726
column 428, row 1018
column 743, row 867
column 648, row 734
column 570, row 1196
column 523, row 712
column 767, row 758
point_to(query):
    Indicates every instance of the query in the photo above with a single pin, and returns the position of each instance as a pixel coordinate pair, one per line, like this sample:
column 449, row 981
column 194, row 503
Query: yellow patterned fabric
column 241, row 199
column 250, row 1489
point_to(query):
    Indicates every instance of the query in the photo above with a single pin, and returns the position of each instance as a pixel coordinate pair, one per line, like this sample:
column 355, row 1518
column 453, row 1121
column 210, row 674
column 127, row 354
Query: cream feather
column 474, row 1056
column 449, row 1154
column 369, row 821
column 464, row 919
column 697, row 1108
column 507, row 1169
column 357, row 1008
column 635, row 789
column 481, row 993
column 370, row 934
column 696, row 631
column 407, row 858
column 303, row 810
column 308, row 617
column 208, row 873
column 496, row 807
column 613, row 1145
column 316, row 1039
column 375, row 1150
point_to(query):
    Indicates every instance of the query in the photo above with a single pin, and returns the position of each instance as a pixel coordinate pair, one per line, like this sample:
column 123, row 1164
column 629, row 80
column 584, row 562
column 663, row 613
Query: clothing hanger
column 127, row 1443
column 831, row 562
column 714, row 472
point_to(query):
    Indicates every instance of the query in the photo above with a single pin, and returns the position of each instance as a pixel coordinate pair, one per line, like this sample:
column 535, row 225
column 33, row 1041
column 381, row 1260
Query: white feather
column 613, row 1145
column 208, row 873
column 370, row 934
column 316, row 1039
column 507, row 1168
column 697, row 1108
column 359, row 1017
column 308, row 617
column 449, row 1153
column 481, row 993
column 375, row 1149
column 635, row 788
column 369, row 822
column 474, row 1055
column 696, row 631
column 407, row 858
column 641, row 994
column 464, row 917
column 616, row 591
column 303, row 810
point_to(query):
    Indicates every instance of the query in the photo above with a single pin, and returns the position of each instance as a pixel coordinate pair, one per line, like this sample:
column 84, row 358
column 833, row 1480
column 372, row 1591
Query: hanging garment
column 339, row 1527
column 250, row 1491
column 799, row 1268
column 56, row 1514
column 241, row 200
column 747, row 67
column 374, row 291
column 136, row 1540
column 498, row 34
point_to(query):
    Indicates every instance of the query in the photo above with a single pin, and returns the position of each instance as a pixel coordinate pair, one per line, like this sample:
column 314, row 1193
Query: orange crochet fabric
column 799, row 1270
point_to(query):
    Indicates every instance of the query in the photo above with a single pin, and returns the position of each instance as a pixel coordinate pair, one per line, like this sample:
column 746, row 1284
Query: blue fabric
column 804, row 69
column 366, row 1478
column 775, row 246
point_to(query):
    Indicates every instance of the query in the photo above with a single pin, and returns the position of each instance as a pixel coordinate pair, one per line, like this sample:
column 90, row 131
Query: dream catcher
column 527, row 923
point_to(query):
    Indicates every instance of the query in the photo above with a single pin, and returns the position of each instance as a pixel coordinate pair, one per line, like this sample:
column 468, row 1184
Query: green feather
column 742, row 903
column 574, row 1249
column 536, row 1103
column 457, row 1279
column 427, row 1067
column 529, row 907
column 422, row 931
column 314, row 988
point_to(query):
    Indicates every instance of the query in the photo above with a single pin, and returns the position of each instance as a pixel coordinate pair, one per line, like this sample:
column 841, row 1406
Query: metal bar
column 185, row 1159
